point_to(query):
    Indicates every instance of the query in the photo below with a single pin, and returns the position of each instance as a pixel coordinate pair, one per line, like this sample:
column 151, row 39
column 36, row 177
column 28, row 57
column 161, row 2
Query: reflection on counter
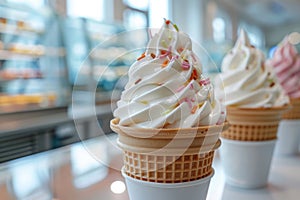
column 30, row 180
column 86, row 169
column 70, row 173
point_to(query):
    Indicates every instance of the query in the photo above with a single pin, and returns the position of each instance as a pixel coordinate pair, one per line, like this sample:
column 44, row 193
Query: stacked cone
column 253, row 124
column 168, row 155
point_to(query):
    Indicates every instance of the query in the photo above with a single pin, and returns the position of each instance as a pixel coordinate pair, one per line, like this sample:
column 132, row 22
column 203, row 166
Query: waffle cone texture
column 253, row 124
column 168, row 155
column 294, row 112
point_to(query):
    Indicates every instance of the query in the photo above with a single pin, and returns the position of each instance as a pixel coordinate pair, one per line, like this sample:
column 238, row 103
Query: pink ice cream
column 286, row 64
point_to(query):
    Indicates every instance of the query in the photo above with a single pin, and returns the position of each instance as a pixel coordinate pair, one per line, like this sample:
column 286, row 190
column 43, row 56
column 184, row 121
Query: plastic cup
column 193, row 190
column 246, row 164
column 288, row 138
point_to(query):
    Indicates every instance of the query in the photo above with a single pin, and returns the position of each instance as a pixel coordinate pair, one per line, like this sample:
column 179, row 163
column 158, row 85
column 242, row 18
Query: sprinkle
column 166, row 112
column 200, row 105
column 169, row 22
column 176, row 105
column 270, row 80
column 180, row 50
column 165, row 63
column 272, row 84
column 165, row 53
column 222, row 112
column 180, row 88
column 204, row 82
column 185, row 65
column 164, row 44
column 191, row 86
column 193, row 99
column 194, row 109
column 213, row 105
column 142, row 56
column 194, row 75
column 153, row 55
column 175, row 26
column 139, row 80
column 144, row 102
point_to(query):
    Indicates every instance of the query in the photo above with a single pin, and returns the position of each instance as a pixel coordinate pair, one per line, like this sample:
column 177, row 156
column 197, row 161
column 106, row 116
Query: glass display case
column 32, row 60
column 99, row 56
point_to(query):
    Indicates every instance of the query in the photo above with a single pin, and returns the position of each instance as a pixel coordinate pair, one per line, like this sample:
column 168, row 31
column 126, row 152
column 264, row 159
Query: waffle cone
column 294, row 112
column 253, row 124
column 168, row 155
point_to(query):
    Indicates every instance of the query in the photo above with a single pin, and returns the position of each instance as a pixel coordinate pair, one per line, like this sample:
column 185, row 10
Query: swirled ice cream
column 166, row 88
column 286, row 64
column 245, row 79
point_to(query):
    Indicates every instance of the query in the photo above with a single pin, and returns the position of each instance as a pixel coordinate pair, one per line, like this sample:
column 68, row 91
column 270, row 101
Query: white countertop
column 72, row 173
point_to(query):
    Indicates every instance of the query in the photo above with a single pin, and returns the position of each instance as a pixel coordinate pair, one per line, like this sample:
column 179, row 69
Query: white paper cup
column 288, row 138
column 143, row 190
column 246, row 164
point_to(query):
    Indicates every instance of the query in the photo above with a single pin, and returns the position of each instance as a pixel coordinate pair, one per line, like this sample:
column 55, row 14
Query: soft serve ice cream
column 166, row 88
column 246, row 80
column 286, row 64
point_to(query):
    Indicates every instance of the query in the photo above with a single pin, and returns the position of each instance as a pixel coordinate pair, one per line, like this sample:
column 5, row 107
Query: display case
column 33, row 72
column 99, row 56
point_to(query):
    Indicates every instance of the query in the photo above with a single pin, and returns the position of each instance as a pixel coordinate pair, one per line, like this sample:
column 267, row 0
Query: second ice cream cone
column 294, row 112
column 253, row 124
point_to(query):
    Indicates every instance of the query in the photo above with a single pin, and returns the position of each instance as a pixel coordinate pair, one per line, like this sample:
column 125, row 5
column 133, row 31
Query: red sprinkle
column 168, row 22
column 163, row 52
column 194, row 75
column 139, row 80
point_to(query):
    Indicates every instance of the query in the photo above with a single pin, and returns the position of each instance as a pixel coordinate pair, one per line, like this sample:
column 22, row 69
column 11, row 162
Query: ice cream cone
column 253, row 124
column 168, row 155
column 294, row 112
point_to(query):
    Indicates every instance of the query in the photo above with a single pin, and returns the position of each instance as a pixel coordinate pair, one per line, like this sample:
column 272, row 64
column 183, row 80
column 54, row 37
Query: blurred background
column 57, row 52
